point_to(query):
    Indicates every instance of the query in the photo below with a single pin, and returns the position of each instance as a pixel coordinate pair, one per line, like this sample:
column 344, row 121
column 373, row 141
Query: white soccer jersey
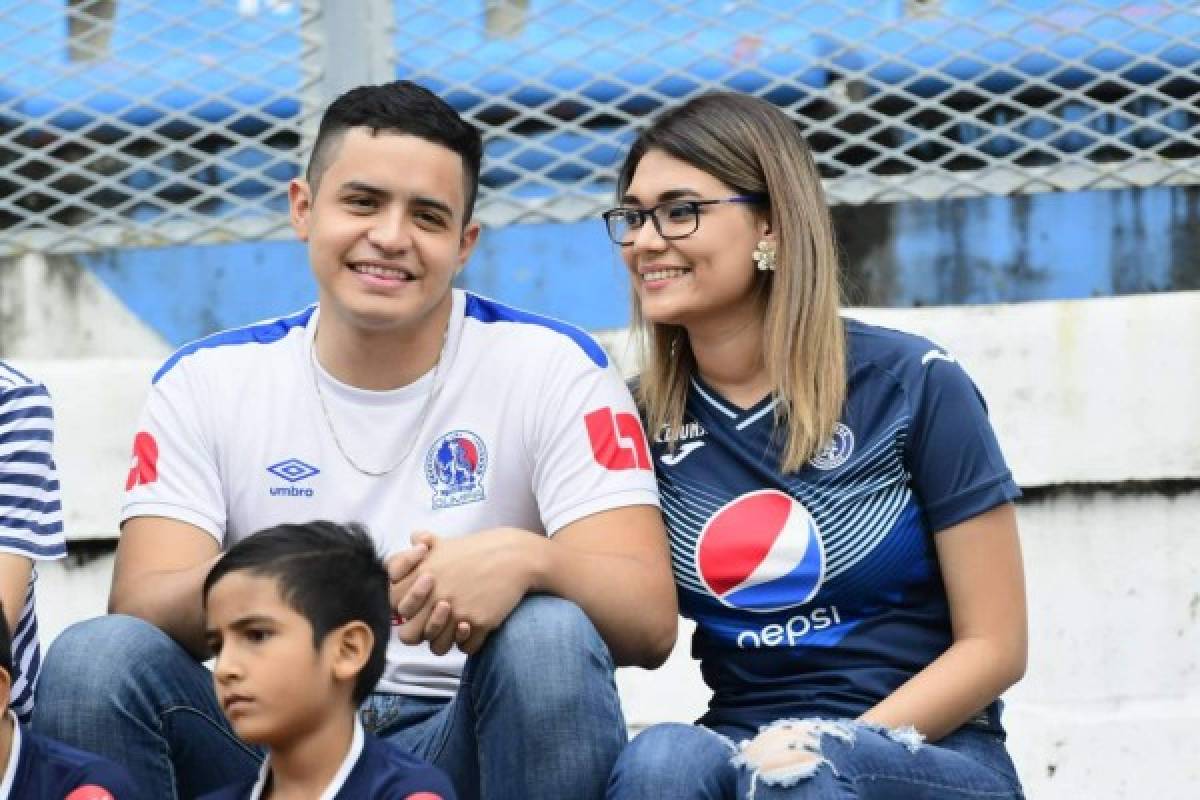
column 531, row 427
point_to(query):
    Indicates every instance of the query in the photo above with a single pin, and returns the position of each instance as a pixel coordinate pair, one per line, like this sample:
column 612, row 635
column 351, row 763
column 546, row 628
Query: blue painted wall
column 1030, row 247
column 949, row 252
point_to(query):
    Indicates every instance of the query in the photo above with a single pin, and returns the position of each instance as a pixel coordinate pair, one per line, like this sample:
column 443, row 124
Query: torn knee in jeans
column 789, row 751
column 906, row 735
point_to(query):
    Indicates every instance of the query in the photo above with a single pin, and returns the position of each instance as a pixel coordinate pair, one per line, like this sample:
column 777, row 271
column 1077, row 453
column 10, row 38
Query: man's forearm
column 627, row 592
column 169, row 600
column 631, row 602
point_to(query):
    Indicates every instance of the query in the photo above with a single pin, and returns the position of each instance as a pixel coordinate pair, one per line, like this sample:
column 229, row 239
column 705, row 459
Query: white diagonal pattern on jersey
column 851, row 527
column 852, row 521
column 712, row 401
column 756, row 416
column 687, row 506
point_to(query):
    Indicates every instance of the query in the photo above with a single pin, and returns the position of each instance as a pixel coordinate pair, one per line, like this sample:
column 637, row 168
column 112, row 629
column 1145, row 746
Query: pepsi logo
column 761, row 552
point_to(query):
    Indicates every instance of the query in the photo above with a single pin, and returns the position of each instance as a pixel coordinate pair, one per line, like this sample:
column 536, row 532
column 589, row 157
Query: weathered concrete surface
column 96, row 405
column 1091, row 391
column 50, row 307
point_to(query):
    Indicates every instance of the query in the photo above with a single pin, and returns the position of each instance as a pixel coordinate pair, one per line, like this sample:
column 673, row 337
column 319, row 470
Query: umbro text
column 290, row 491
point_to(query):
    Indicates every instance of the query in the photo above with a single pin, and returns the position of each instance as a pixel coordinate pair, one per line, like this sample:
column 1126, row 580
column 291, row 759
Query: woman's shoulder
column 868, row 342
column 880, row 358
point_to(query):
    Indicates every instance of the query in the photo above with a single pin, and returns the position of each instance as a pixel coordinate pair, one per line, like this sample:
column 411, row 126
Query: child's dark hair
column 6, row 646
column 330, row 574
column 399, row 107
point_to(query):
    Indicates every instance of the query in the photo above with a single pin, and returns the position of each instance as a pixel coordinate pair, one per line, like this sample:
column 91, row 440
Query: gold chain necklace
column 422, row 418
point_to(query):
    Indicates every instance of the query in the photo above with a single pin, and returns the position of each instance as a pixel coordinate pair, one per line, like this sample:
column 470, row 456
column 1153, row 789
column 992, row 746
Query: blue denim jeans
column 690, row 762
column 537, row 714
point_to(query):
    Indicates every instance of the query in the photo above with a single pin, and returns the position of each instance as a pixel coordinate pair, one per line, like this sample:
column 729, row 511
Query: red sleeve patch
column 617, row 440
column 144, row 469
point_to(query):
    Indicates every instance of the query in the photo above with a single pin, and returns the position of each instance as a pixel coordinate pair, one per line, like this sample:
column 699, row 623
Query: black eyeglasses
column 673, row 219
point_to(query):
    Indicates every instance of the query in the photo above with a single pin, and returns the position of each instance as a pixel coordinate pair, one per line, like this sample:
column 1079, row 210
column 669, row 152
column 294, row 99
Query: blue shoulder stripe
column 486, row 310
column 7, row 370
column 25, row 545
column 8, row 395
column 25, row 435
column 261, row 333
column 33, row 412
column 14, row 503
column 31, row 481
column 22, row 703
column 28, row 457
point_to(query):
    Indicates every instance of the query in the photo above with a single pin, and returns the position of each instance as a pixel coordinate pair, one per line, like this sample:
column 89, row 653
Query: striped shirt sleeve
column 30, row 509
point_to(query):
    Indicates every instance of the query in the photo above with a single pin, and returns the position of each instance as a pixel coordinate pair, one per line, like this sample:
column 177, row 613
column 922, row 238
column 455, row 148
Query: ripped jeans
column 803, row 759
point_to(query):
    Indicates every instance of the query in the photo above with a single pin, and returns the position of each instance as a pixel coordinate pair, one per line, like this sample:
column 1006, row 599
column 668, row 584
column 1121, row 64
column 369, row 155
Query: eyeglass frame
column 651, row 212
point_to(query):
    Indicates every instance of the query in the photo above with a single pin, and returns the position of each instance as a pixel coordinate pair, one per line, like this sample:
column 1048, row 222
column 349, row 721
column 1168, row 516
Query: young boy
column 33, row 767
column 297, row 617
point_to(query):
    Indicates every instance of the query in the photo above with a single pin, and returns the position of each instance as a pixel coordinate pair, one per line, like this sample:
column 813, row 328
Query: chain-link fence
column 133, row 122
column 139, row 121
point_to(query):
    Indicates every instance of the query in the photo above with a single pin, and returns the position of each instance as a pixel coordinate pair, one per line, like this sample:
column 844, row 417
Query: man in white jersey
column 30, row 518
column 504, row 445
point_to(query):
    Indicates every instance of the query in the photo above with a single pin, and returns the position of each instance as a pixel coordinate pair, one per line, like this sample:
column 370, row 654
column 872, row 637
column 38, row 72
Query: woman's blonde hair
column 754, row 148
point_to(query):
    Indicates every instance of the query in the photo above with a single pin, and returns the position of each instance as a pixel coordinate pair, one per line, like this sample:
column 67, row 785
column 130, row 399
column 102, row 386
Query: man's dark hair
column 330, row 574
column 399, row 107
column 6, row 646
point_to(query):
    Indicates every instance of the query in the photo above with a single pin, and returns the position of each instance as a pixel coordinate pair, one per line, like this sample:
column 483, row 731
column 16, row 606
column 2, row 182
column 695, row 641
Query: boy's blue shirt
column 46, row 768
column 382, row 772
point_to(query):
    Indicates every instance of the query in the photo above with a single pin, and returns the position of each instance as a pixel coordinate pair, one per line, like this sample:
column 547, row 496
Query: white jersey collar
column 458, row 309
column 14, row 755
column 739, row 418
column 357, row 743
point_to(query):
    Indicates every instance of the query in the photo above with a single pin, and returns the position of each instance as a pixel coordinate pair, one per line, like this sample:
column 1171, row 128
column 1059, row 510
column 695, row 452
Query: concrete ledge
column 1081, row 391
column 96, row 404
column 1096, row 391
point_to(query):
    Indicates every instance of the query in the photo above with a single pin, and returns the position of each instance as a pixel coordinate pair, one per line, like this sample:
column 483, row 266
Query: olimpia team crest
column 837, row 451
column 455, row 466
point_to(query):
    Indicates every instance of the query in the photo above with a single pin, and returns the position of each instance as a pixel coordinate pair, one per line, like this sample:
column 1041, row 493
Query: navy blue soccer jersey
column 46, row 769
column 381, row 771
column 818, row 592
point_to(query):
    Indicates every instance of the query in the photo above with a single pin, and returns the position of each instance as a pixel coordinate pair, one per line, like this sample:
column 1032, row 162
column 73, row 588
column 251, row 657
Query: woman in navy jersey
column 840, row 514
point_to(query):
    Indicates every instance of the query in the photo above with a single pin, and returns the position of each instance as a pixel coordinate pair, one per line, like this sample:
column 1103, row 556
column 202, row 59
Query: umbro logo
column 292, row 470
